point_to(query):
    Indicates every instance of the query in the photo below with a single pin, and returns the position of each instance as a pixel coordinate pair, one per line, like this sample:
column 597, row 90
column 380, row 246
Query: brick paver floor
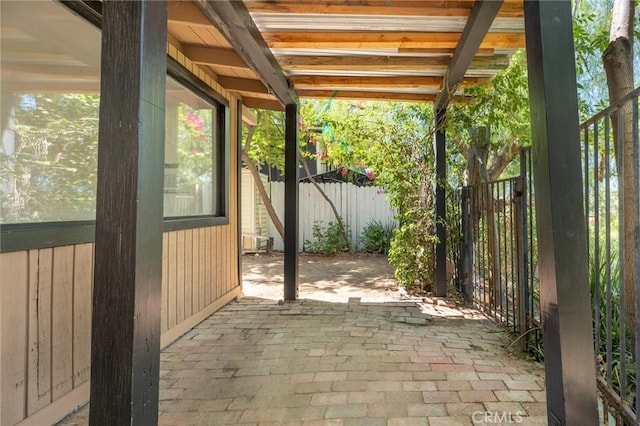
column 259, row 362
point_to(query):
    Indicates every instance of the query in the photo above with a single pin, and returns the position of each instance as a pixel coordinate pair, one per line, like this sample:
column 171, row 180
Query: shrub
column 330, row 240
column 412, row 254
column 377, row 237
column 618, row 319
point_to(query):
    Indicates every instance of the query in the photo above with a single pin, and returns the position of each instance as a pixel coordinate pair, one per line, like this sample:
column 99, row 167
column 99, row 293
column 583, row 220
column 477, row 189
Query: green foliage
column 392, row 141
column 344, row 133
column 413, row 255
column 600, row 272
column 591, row 26
column 267, row 144
column 591, row 37
column 502, row 106
column 377, row 237
column 329, row 240
column 497, row 114
column 617, row 320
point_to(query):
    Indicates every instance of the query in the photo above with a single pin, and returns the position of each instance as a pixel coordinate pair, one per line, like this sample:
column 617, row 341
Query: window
column 50, row 101
column 194, row 154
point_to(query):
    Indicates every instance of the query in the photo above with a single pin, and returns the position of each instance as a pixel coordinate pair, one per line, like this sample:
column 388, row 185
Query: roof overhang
column 272, row 52
column 269, row 53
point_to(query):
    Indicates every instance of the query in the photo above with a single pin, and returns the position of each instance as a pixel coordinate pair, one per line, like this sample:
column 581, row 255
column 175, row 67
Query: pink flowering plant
column 194, row 145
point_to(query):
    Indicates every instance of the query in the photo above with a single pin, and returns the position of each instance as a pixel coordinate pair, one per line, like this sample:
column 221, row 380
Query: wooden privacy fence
column 357, row 205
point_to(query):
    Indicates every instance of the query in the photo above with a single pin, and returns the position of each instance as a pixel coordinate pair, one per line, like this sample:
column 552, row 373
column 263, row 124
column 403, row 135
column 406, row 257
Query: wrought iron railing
column 616, row 305
column 497, row 261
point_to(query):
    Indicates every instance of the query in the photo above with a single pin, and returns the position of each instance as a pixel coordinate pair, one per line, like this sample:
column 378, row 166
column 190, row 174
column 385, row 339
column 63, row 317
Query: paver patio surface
column 260, row 362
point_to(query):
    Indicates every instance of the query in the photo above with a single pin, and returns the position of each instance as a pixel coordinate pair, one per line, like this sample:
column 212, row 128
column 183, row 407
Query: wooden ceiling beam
column 476, row 29
column 511, row 9
column 234, row 22
column 214, row 56
column 258, row 103
column 449, row 52
column 398, row 40
column 384, row 63
column 187, row 13
column 370, row 7
column 368, row 95
column 242, row 84
column 301, row 82
column 249, row 117
column 356, row 63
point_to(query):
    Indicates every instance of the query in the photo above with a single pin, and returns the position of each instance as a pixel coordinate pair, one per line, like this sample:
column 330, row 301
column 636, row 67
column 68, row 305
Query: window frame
column 36, row 235
column 221, row 152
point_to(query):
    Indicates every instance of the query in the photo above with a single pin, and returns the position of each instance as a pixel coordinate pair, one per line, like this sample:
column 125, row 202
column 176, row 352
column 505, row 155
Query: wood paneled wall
column 45, row 326
column 198, row 269
column 45, row 311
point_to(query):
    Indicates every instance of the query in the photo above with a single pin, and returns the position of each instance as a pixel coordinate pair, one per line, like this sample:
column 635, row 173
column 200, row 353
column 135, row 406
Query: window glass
column 50, row 100
column 191, row 154
column 49, row 81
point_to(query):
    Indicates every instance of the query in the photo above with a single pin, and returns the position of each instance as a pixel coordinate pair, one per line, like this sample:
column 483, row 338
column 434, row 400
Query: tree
column 489, row 130
column 590, row 34
column 264, row 145
column 493, row 125
column 618, row 65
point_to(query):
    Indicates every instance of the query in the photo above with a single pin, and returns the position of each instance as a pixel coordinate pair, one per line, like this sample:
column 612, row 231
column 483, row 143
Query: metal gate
column 497, row 254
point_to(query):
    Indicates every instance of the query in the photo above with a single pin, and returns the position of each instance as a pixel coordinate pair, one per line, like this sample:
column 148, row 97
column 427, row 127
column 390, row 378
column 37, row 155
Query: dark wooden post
column 125, row 343
column 441, row 209
column 520, row 204
column 291, row 201
column 467, row 243
column 239, row 146
column 561, row 228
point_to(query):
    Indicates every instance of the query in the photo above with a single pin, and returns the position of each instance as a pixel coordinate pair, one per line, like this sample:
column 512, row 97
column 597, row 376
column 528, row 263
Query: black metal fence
column 613, row 222
column 497, row 253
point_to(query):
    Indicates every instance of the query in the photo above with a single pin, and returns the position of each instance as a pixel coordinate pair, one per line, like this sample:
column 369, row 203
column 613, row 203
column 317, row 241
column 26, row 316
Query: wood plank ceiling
column 360, row 49
column 381, row 49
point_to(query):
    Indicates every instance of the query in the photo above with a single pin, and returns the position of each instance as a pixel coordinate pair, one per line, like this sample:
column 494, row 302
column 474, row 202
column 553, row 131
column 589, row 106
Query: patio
column 258, row 361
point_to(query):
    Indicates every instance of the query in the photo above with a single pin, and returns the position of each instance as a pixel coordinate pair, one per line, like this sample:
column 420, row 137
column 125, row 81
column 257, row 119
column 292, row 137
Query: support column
column 239, row 146
column 125, row 341
column 561, row 228
column 441, row 209
column 467, row 243
column 291, row 203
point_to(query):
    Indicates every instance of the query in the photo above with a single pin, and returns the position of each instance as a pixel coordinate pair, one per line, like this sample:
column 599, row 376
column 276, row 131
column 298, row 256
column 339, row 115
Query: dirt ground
column 331, row 279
